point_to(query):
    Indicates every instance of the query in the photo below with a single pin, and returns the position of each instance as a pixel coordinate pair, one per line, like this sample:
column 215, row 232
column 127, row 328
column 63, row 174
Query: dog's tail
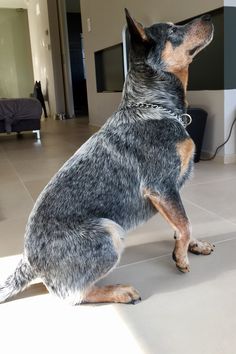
column 18, row 281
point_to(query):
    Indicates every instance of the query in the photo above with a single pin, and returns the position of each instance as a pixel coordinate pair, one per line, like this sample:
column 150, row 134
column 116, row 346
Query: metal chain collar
column 185, row 119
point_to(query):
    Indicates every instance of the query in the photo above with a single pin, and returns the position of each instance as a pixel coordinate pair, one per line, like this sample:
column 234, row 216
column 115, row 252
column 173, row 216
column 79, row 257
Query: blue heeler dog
column 132, row 168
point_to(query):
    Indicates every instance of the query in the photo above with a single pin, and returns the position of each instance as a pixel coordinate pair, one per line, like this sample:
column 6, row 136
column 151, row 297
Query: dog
column 39, row 95
column 132, row 168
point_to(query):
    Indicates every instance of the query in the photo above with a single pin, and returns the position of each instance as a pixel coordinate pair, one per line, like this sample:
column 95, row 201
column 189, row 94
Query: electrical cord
column 220, row 146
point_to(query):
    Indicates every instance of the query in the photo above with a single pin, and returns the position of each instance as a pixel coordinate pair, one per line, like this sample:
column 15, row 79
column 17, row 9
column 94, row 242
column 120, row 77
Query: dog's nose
column 206, row 18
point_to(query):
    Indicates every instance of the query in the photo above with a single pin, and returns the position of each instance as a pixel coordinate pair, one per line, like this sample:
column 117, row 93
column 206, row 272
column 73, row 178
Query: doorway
column 77, row 62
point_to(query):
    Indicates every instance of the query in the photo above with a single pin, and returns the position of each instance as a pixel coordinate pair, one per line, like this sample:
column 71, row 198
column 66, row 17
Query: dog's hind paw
column 201, row 247
column 126, row 294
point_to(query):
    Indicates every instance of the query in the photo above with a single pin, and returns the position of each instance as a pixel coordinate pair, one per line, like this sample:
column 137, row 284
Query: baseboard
column 230, row 158
column 208, row 155
column 224, row 159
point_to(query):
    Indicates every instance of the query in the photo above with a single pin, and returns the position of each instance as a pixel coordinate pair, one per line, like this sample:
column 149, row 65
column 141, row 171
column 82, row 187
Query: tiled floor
column 192, row 313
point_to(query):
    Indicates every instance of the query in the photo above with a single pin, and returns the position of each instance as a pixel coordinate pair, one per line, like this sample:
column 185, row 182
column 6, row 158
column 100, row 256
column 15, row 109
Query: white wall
column 230, row 3
column 230, row 113
column 56, row 56
column 13, row 4
column 41, row 48
column 16, row 70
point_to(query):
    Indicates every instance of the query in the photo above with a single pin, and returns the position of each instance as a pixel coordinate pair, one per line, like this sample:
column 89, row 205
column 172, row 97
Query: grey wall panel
column 230, row 47
column 207, row 70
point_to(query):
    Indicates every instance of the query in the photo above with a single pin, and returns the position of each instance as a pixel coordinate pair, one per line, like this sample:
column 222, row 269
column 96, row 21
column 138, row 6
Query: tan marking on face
column 177, row 62
column 185, row 150
column 182, row 76
column 177, row 59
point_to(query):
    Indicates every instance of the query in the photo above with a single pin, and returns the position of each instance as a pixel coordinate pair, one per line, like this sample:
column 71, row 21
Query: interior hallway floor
column 192, row 313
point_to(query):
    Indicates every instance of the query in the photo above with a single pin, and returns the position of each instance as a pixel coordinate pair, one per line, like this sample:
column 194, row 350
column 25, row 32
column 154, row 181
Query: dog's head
column 168, row 47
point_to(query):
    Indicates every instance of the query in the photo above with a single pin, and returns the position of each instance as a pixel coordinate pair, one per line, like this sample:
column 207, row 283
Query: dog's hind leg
column 171, row 208
column 112, row 293
column 80, row 256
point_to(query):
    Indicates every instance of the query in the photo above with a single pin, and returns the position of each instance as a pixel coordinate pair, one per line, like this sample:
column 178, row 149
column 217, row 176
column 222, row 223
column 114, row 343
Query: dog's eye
column 172, row 30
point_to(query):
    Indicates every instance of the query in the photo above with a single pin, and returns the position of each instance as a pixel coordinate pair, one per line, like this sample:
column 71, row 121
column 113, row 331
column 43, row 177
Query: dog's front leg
column 171, row 208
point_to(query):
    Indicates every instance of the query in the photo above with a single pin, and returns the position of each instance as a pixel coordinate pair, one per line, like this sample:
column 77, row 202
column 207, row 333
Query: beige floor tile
column 7, row 172
column 30, row 170
column 211, row 171
column 159, row 249
column 176, row 311
column 146, row 251
column 62, row 150
column 2, row 153
column 208, row 225
column 181, row 309
column 15, row 201
column 12, row 236
column 35, row 187
column 205, row 225
column 218, row 197
column 12, row 142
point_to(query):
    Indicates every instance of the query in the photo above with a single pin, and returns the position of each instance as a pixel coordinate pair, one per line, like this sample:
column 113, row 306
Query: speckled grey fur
column 75, row 230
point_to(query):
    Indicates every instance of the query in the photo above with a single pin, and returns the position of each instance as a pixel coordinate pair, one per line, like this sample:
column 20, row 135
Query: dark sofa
column 20, row 114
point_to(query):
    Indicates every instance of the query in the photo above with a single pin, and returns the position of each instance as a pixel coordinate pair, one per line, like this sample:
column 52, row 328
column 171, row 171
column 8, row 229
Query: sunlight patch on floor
column 8, row 265
column 41, row 324
column 37, row 322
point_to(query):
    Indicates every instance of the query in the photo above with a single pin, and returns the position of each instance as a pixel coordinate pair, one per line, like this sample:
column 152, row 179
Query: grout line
column 167, row 255
column 5, row 157
column 154, row 258
column 209, row 211
column 208, row 182
column 226, row 240
column 21, row 180
column 144, row 260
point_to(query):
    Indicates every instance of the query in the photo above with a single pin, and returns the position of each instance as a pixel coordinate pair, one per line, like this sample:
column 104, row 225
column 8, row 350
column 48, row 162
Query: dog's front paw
column 201, row 247
column 181, row 263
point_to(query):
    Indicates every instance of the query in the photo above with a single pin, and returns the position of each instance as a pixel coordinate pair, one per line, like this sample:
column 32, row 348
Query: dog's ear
column 136, row 30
